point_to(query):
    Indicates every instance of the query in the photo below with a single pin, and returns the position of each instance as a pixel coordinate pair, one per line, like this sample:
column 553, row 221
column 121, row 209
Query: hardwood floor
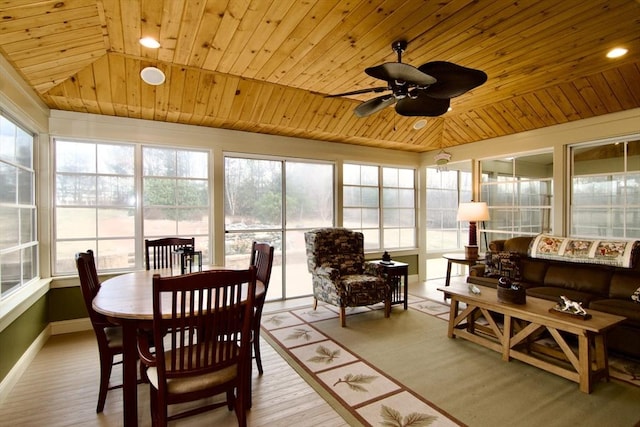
column 60, row 388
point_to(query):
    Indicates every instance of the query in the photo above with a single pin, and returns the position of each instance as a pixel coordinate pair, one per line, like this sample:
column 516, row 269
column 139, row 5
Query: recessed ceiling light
column 149, row 42
column 152, row 75
column 420, row 124
column 617, row 52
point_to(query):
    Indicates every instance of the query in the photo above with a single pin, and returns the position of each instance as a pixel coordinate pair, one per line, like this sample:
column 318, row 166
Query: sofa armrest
column 477, row 270
column 497, row 245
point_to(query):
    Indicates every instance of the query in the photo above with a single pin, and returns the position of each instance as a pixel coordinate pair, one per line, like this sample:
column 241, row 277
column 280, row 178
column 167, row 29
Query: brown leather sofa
column 597, row 287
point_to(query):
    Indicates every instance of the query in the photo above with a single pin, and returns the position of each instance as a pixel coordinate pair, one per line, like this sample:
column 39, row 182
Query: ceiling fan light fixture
column 152, row 76
column 149, row 42
column 617, row 52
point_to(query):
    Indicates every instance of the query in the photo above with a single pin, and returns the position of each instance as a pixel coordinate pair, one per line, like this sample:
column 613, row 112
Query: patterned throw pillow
column 503, row 264
column 636, row 296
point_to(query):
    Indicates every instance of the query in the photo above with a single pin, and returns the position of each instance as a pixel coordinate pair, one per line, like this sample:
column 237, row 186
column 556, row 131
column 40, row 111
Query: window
column 518, row 191
column 175, row 186
column 275, row 201
column 380, row 198
column 445, row 191
column 605, row 190
column 18, row 241
column 96, row 203
column 399, row 208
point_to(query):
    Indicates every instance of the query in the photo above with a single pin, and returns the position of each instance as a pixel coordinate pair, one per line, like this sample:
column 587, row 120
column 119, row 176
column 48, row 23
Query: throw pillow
column 503, row 264
column 636, row 296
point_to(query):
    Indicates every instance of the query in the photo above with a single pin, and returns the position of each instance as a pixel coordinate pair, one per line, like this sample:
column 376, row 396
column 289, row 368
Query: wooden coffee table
column 514, row 331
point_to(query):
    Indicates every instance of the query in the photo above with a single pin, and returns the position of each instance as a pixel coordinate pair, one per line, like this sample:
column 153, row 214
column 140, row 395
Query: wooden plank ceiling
column 265, row 66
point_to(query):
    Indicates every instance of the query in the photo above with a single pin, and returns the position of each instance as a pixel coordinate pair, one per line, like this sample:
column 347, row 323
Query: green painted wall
column 66, row 304
column 16, row 338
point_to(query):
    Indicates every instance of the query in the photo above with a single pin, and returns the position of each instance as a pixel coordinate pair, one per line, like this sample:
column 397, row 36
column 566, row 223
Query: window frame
column 381, row 229
column 516, row 208
column 614, row 177
column 136, row 233
column 31, row 243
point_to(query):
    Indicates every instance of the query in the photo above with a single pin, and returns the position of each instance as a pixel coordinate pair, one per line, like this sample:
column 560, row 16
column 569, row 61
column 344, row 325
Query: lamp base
column 471, row 252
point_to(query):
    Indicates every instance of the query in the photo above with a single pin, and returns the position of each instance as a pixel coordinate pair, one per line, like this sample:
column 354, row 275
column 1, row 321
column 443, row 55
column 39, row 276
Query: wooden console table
column 524, row 324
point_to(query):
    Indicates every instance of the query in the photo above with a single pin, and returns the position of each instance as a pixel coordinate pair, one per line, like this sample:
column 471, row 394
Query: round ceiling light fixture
column 152, row 75
column 420, row 124
column 149, row 42
column 617, row 52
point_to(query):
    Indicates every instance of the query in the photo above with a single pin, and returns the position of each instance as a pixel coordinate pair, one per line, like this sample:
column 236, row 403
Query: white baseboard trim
column 69, row 326
column 11, row 379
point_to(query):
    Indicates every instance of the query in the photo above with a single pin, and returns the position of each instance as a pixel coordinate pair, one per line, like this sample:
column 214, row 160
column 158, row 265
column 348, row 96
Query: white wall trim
column 15, row 305
column 11, row 379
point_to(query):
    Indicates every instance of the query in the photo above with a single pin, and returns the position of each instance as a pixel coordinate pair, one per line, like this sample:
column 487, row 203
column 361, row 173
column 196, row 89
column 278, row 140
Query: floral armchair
column 341, row 277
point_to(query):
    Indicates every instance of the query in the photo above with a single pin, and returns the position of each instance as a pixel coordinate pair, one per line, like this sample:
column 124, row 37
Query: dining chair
column 108, row 335
column 202, row 329
column 159, row 252
column 262, row 259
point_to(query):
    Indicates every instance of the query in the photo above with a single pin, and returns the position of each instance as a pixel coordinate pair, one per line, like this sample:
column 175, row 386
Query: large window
column 276, row 201
column 518, row 191
column 605, row 190
column 445, row 191
column 18, row 237
column 380, row 198
column 110, row 197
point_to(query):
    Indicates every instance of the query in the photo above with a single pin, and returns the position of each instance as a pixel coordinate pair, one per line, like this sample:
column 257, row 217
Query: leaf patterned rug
column 360, row 392
column 364, row 394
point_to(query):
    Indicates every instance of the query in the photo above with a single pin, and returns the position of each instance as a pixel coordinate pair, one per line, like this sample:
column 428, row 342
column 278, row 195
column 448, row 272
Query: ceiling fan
column 423, row 91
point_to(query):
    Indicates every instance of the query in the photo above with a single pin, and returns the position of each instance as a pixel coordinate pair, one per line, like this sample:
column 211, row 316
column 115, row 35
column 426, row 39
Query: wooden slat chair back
column 108, row 335
column 262, row 259
column 159, row 253
column 202, row 327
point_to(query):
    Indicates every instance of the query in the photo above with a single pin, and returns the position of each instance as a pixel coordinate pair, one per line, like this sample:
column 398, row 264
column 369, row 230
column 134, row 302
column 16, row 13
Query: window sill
column 14, row 305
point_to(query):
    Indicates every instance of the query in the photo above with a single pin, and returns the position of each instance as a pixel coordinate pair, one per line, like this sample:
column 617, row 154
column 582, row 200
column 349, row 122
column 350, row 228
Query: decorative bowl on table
column 510, row 292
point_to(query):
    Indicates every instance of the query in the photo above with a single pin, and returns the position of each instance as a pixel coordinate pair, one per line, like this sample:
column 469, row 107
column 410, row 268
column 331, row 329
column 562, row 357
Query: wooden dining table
column 127, row 300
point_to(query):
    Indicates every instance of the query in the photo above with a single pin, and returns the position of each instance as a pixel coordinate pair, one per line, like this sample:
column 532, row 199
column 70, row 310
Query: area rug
column 358, row 391
column 404, row 371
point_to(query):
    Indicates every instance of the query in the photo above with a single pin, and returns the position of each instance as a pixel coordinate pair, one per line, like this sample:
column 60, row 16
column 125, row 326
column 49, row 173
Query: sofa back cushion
column 533, row 270
column 518, row 244
column 584, row 278
column 624, row 284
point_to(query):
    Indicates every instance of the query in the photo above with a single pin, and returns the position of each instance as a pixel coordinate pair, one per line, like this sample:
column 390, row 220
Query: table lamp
column 472, row 212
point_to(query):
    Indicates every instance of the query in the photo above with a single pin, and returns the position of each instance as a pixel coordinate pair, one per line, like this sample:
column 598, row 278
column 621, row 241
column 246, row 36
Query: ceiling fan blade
column 398, row 71
column 422, row 105
column 452, row 79
column 356, row 92
column 374, row 105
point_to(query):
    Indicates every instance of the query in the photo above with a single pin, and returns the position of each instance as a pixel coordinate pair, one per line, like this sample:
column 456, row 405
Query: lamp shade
column 473, row 211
